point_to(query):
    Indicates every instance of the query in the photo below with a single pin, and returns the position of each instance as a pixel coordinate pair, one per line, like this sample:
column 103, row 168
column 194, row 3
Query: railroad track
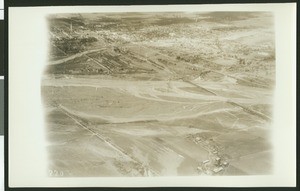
column 108, row 141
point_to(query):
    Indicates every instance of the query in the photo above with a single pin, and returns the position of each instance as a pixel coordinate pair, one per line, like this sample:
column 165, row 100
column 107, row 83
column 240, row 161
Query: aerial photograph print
column 139, row 94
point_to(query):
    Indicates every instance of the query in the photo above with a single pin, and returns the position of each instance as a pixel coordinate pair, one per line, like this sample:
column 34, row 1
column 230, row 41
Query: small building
column 225, row 163
column 219, row 169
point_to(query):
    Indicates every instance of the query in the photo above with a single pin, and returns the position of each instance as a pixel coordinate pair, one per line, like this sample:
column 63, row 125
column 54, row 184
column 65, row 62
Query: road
column 75, row 56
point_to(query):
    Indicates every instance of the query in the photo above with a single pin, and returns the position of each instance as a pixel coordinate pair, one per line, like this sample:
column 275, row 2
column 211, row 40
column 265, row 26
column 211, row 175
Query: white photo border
column 27, row 57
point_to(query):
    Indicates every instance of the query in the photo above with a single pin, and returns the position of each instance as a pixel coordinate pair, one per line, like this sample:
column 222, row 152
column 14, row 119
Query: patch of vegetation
column 73, row 45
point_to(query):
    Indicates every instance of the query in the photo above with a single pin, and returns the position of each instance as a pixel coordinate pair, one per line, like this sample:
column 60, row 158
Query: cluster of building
column 216, row 164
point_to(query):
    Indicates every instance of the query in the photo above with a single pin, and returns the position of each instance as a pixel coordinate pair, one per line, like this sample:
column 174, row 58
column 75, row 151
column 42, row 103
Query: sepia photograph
column 152, row 96
column 157, row 94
